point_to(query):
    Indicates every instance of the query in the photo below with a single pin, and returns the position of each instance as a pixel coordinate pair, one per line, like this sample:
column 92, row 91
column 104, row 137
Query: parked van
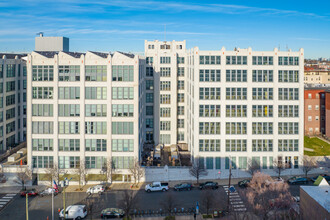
column 74, row 212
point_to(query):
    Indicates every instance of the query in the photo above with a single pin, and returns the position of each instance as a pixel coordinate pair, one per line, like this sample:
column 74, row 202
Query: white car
column 96, row 189
column 74, row 212
column 156, row 186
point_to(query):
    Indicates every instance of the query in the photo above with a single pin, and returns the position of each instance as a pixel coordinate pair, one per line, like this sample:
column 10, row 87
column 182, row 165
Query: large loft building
column 238, row 106
column 12, row 100
column 84, row 108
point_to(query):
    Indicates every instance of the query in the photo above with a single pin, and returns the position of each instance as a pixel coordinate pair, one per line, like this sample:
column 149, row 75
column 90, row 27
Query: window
column 262, row 93
column 123, row 73
column 236, row 75
column 149, row 123
column 96, row 73
column 209, row 75
column 42, row 92
column 166, row 112
column 149, row 97
column 209, row 127
column 209, row 93
column 68, row 110
column 122, row 110
column 242, row 162
column 149, row 60
column 165, row 125
column 288, row 111
column 149, row 110
column 165, row 59
column 236, row 93
column 262, row 127
column 123, row 162
column 165, row 72
column 10, row 100
column 288, row 145
column 1, row 71
column 212, row 145
column 288, row 61
column 210, row 60
column 99, row 93
column 68, row 127
column 180, row 71
column 164, row 46
column 68, row 144
column 42, row 127
column 309, row 118
column 122, row 128
column 180, row 85
column 11, row 68
column 69, row 92
column 42, row 162
column 149, row 71
column 96, row 110
column 122, row 145
column 151, row 46
column 42, row 144
column 236, row 60
column 180, row 97
column 42, row 73
column 165, row 85
column 180, row 60
column 288, row 128
column 149, row 84
column 122, row 93
column 165, row 139
column 235, row 145
column 93, row 127
column 165, row 99
column 180, row 136
column 316, row 107
column 309, row 107
column 10, row 86
column 236, row 128
column 262, row 60
column 69, row 73
column 288, row 76
column 262, row 111
column 236, row 111
column 180, row 110
column 66, row 162
column 262, row 76
column 42, row 110
column 180, row 123
column 96, row 144
column 209, row 111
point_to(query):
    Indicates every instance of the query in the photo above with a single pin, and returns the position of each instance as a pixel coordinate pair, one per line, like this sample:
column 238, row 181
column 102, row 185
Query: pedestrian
column 195, row 215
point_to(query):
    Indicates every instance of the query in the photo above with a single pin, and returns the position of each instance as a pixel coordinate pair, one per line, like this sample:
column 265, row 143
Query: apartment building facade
column 316, row 76
column 12, row 100
column 83, row 110
column 242, row 106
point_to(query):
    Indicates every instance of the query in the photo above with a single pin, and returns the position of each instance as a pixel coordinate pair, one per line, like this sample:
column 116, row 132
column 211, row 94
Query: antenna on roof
column 41, row 34
column 165, row 33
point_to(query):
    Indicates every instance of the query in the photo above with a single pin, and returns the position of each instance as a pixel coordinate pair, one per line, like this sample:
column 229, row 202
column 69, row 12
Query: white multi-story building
column 242, row 106
column 12, row 100
column 84, row 108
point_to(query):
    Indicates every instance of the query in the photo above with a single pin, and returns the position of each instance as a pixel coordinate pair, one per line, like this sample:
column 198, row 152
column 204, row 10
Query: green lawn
column 320, row 147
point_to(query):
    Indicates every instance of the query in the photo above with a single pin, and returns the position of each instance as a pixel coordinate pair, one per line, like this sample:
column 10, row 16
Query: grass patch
column 96, row 177
column 44, row 177
column 320, row 147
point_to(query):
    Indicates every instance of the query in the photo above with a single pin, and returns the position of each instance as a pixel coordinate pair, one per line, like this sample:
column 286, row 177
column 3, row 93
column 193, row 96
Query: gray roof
column 74, row 54
column 12, row 55
column 320, row 194
column 48, row 54
column 100, row 54
column 130, row 55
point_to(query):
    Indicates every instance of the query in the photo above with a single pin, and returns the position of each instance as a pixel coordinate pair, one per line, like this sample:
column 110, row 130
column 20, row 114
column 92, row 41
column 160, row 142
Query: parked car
column 208, row 185
column 297, row 180
column 31, row 192
column 112, row 213
column 48, row 192
column 244, row 183
column 95, row 189
column 74, row 212
column 326, row 177
column 183, row 186
column 275, row 181
column 156, row 186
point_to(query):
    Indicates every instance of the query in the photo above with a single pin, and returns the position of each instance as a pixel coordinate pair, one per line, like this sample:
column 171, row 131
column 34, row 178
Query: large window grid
column 42, row 127
column 42, row 73
column 42, row 162
column 262, row 127
column 68, row 92
column 213, row 60
column 165, row 125
column 42, row 110
column 262, row 111
column 236, row 145
column 236, row 75
column 95, row 127
column 122, row 93
column 288, row 61
column 236, row 128
column 165, row 112
column 262, row 93
column 69, row 144
column 123, row 73
column 66, row 162
column 165, row 85
column 122, row 110
column 209, row 127
column 288, row 111
column 96, row 145
column 99, row 93
column 68, row 127
column 96, row 110
column 288, row 145
column 262, row 60
column 165, row 99
column 236, row 110
column 68, row 110
column 42, row 144
column 209, row 93
column 165, row 72
column 288, row 76
column 236, row 60
column 42, row 92
column 288, row 128
column 236, row 93
column 180, row 71
column 209, row 111
column 11, row 68
column 123, row 162
column 262, row 76
column 10, row 100
column 149, row 71
column 212, row 145
column 180, row 110
column 180, row 85
column 69, row 73
column 165, row 60
column 262, row 145
column 122, row 127
column 288, row 93
column 149, row 97
column 96, row 73
column 122, row 145
column 209, row 75
column 10, row 86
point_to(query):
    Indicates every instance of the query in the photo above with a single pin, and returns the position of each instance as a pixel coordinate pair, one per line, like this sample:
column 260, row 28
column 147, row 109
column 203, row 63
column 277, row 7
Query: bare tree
column 279, row 166
column 53, row 173
column 197, row 169
column 127, row 202
column 169, row 203
column 252, row 166
column 265, row 196
column 136, row 171
column 308, row 164
column 109, row 169
column 207, row 200
column 81, row 172
column 24, row 174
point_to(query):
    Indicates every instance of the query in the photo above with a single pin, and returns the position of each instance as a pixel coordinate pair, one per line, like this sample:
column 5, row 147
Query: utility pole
column 52, row 200
column 64, row 202
column 27, row 205
column 228, row 201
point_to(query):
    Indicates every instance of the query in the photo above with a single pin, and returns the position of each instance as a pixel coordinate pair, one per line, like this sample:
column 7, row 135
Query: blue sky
column 109, row 25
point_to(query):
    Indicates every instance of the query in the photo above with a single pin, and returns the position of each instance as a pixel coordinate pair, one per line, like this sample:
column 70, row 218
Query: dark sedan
column 112, row 213
column 183, row 186
column 209, row 185
column 243, row 183
column 297, row 180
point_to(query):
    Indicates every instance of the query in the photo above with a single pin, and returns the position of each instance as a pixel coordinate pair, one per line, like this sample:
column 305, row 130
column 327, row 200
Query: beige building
column 317, row 76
